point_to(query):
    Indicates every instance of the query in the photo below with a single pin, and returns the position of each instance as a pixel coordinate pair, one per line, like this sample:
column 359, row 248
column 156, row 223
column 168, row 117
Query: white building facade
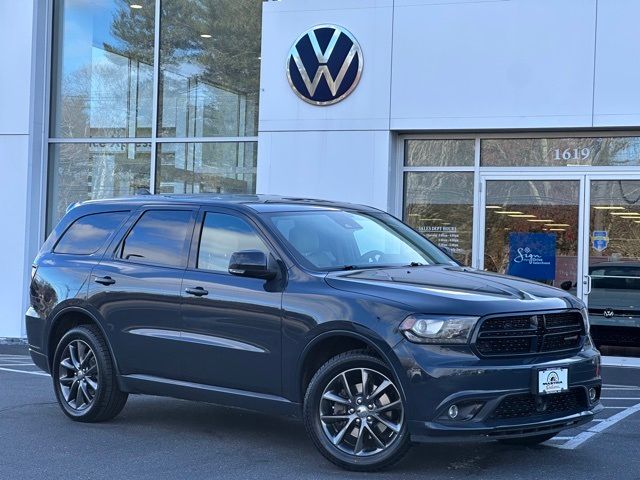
column 506, row 131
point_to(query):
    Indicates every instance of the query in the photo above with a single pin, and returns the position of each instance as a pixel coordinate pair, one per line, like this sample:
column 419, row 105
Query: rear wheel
column 83, row 376
column 528, row 441
column 354, row 413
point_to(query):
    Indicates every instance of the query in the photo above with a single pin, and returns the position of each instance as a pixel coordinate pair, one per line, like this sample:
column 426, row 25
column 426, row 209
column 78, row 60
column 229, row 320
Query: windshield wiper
column 363, row 267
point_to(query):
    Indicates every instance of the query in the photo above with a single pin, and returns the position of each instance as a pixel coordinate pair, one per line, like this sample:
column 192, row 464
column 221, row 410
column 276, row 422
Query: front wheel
column 83, row 376
column 354, row 413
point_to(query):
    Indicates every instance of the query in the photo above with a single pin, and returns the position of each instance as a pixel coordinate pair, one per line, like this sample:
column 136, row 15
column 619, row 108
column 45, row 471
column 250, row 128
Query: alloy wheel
column 78, row 375
column 361, row 412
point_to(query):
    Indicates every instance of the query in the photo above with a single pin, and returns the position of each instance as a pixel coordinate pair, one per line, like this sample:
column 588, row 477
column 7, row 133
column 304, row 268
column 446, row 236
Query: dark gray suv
column 337, row 313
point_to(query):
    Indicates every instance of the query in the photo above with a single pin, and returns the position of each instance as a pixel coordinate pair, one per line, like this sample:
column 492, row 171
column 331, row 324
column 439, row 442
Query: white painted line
column 614, row 408
column 23, row 371
column 611, row 385
column 559, row 439
column 598, row 420
column 621, row 362
column 17, row 365
column 599, row 428
column 619, row 398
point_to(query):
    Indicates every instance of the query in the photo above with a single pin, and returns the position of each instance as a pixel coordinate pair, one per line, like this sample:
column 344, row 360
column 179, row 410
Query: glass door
column 532, row 229
column 612, row 262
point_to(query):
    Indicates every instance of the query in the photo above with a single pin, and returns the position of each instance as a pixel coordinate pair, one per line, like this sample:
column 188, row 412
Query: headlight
column 438, row 328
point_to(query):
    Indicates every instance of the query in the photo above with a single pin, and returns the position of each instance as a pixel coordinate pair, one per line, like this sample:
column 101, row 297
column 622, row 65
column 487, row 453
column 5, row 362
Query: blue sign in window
column 532, row 255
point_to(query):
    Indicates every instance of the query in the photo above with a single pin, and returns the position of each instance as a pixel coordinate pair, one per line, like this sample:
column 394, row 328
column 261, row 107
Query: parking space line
column 599, row 428
column 620, row 387
column 614, row 408
column 17, row 365
column 4, row 369
column 619, row 398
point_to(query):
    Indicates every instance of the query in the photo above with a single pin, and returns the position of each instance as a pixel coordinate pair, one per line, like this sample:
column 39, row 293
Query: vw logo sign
column 324, row 65
column 608, row 313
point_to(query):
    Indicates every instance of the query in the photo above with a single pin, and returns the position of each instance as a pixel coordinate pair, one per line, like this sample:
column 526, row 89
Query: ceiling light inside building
column 136, row 6
column 608, row 208
column 205, row 35
column 626, row 213
column 521, row 215
column 508, row 213
column 557, row 230
column 540, row 220
column 557, row 225
column 494, row 207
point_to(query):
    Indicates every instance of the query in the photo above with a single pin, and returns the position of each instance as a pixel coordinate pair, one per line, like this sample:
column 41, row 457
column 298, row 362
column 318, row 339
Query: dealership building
column 507, row 131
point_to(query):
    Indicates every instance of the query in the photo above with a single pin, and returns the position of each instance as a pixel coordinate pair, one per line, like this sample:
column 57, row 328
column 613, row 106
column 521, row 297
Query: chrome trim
column 211, row 340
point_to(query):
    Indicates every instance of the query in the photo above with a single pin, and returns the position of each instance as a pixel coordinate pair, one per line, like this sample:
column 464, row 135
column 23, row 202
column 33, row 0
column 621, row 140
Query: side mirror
column 251, row 263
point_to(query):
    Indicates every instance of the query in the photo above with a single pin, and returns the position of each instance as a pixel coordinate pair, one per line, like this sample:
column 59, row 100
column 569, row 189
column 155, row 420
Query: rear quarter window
column 87, row 234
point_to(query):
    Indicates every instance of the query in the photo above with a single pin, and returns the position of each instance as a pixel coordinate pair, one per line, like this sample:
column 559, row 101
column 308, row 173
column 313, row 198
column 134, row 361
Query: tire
column 528, row 441
column 349, row 432
column 84, row 379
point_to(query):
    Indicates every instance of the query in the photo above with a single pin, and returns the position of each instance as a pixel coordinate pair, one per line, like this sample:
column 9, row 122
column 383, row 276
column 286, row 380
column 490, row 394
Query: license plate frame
column 548, row 381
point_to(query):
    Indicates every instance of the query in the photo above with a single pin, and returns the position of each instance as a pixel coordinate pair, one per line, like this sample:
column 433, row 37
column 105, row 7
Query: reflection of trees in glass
column 439, row 153
column 102, row 83
column 209, row 86
column 542, row 152
column 80, row 172
column 227, row 167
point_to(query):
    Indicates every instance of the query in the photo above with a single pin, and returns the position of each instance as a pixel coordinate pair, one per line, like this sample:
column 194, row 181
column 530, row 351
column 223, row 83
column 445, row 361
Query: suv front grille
column 528, row 405
column 530, row 334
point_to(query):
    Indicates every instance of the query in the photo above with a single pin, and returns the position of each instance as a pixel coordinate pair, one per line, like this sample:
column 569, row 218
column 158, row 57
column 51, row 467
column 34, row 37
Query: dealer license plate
column 553, row 380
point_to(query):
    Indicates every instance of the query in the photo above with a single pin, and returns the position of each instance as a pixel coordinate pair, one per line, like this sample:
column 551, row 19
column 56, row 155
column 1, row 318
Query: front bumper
column 501, row 391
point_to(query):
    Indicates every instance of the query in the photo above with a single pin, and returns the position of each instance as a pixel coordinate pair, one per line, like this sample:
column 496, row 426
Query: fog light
column 593, row 394
column 453, row 412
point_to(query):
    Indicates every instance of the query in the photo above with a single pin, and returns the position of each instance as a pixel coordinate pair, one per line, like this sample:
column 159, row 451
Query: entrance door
column 612, row 259
column 532, row 229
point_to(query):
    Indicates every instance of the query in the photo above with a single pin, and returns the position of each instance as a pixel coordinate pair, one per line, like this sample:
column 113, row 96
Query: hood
column 443, row 289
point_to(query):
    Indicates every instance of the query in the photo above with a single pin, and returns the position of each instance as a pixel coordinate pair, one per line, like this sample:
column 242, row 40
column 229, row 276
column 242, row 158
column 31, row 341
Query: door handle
column 197, row 291
column 104, row 280
column 587, row 283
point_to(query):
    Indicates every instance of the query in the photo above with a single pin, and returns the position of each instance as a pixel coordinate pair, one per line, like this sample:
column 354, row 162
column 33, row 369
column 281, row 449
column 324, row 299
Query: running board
column 230, row 397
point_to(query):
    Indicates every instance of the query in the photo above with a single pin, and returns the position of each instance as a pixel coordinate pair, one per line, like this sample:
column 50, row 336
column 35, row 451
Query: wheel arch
column 331, row 343
column 68, row 318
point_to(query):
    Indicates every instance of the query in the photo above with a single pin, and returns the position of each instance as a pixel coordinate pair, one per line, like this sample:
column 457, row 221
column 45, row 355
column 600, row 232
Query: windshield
column 344, row 240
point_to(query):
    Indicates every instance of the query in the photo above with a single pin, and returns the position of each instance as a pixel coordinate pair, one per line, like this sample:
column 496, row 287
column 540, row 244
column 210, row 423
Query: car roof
column 258, row 203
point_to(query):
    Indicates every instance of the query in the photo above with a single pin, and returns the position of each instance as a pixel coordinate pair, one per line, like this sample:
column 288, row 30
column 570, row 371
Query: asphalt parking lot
column 166, row 438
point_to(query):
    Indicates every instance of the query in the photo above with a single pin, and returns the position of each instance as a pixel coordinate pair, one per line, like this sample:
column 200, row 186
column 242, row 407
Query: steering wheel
column 372, row 256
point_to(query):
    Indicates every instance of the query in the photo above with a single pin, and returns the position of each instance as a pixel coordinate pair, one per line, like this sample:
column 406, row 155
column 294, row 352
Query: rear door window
column 87, row 234
column 160, row 237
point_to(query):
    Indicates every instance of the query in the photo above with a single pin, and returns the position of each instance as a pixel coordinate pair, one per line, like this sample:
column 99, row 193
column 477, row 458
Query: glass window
column 102, row 69
column 88, row 171
column 440, row 206
column 531, row 230
column 159, row 237
column 340, row 240
column 439, row 153
column 220, row 167
column 223, row 235
column 560, row 152
column 614, row 250
column 87, row 234
column 209, row 68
